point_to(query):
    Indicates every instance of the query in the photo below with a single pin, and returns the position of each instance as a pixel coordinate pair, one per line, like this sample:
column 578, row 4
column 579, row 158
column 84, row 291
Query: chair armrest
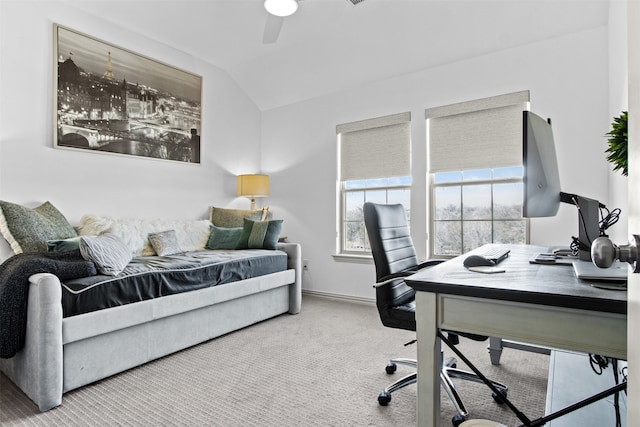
column 429, row 263
column 395, row 276
column 391, row 277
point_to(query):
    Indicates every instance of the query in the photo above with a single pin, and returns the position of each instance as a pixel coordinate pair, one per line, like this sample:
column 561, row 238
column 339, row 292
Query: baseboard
column 340, row 297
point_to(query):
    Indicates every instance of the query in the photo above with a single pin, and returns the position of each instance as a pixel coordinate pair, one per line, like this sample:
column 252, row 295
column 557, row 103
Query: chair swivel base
column 448, row 372
column 385, row 395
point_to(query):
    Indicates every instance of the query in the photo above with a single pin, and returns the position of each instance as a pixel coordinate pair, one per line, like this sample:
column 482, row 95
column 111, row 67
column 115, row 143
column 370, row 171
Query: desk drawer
column 578, row 330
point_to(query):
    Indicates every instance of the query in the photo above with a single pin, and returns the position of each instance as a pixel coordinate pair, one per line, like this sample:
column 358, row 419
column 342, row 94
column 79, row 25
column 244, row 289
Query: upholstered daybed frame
column 62, row 354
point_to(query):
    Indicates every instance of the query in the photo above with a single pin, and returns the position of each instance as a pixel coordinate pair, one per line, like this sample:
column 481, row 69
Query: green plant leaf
column 618, row 141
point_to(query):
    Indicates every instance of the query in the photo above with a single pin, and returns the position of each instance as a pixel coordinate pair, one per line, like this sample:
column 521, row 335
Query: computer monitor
column 542, row 191
column 541, row 177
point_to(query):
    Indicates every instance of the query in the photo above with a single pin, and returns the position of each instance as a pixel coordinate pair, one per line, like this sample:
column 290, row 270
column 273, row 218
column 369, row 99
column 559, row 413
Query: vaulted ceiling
column 331, row 45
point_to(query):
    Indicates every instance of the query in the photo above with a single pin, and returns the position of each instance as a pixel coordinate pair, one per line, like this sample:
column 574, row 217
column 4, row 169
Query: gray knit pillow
column 27, row 230
column 107, row 251
column 165, row 243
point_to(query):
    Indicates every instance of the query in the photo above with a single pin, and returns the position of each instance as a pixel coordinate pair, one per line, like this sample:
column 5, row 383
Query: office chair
column 395, row 257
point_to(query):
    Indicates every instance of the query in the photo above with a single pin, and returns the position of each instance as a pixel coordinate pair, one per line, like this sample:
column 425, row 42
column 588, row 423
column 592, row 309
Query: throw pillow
column 260, row 234
column 224, row 238
column 64, row 245
column 27, row 230
column 232, row 218
column 107, row 251
column 165, row 243
column 192, row 235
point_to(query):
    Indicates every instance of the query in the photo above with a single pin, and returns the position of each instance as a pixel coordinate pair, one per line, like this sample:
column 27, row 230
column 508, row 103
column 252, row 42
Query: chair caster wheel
column 384, row 398
column 499, row 399
column 457, row 420
column 391, row 368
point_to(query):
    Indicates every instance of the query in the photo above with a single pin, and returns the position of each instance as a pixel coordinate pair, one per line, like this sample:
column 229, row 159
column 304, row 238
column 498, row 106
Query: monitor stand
column 588, row 221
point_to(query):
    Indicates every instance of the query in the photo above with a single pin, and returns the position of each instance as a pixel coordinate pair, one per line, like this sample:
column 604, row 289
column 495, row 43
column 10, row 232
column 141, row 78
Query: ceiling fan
column 278, row 10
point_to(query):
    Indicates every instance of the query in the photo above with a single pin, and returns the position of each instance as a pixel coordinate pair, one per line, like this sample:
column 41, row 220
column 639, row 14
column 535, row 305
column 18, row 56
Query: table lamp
column 253, row 186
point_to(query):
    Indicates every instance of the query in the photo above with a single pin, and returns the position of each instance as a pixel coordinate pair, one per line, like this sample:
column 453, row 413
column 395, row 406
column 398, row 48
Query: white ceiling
column 330, row 45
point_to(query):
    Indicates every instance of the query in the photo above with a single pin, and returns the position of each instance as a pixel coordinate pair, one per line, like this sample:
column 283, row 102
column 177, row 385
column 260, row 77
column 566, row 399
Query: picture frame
column 108, row 99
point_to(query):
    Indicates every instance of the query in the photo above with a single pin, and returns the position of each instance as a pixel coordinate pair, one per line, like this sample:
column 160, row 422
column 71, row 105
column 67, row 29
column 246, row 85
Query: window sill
column 355, row 259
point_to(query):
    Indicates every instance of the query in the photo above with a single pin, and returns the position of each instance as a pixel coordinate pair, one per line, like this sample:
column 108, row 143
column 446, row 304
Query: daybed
column 63, row 352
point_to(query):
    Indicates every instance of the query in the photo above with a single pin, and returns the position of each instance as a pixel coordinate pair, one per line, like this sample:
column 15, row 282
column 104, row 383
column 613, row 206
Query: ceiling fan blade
column 272, row 28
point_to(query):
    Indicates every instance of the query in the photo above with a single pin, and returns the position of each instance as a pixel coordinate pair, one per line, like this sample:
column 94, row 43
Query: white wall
column 79, row 182
column 568, row 80
column 618, row 102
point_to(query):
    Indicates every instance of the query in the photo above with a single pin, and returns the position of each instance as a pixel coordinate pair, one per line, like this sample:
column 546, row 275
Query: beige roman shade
column 480, row 134
column 375, row 148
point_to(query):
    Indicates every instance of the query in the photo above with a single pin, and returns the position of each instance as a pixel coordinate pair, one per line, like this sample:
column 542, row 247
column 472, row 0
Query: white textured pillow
column 192, row 235
column 108, row 252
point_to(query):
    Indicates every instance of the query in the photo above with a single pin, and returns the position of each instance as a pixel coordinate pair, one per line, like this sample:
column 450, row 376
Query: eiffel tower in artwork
column 108, row 73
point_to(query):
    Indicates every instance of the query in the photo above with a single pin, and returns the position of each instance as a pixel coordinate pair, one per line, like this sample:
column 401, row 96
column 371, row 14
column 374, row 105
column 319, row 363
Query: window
column 471, row 208
column 476, row 193
column 374, row 166
column 356, row 193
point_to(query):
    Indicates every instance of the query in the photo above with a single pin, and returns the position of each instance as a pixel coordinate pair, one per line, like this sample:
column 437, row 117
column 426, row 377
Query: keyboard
column 496, row 254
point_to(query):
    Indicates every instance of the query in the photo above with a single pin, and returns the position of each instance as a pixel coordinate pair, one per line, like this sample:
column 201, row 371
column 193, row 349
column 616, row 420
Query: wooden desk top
column 554, row 285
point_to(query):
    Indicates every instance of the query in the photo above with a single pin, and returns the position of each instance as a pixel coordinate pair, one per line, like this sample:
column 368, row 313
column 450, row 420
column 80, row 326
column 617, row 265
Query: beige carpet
column 323, row 367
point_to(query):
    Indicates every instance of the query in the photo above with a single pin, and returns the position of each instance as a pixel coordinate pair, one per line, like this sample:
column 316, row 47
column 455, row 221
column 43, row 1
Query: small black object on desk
column 478, row 261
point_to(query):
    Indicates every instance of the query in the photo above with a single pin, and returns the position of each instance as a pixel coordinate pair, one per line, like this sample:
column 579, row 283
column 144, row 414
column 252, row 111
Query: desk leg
column 429, row 360
column 495, row 350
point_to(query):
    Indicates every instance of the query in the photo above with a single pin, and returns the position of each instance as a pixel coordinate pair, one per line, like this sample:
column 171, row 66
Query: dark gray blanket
column 14, row 290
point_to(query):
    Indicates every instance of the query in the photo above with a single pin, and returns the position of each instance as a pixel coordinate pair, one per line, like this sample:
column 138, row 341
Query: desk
column 533, row 303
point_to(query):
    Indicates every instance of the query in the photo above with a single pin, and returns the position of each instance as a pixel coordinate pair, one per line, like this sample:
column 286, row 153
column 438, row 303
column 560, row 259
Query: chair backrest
column 390, row 239
column 393, row 252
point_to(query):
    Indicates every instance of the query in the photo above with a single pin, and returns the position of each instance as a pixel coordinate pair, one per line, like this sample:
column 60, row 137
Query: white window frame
column 366, row 250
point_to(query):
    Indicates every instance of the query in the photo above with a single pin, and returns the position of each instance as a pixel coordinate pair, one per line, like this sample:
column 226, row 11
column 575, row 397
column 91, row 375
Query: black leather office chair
column 395, row 257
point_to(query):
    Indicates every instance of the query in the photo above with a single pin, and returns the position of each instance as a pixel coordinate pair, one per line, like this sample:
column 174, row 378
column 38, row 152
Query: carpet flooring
column 322, row 367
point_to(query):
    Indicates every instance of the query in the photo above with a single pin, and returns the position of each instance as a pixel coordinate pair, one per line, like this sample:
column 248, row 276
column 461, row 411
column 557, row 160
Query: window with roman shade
column 374, row 165
column 475, row 173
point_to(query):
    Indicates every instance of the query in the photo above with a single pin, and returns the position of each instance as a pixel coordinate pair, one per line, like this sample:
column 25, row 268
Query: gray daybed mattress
column 155, row 276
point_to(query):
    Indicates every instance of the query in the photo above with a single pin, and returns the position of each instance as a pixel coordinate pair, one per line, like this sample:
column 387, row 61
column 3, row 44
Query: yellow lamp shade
column 253, row 186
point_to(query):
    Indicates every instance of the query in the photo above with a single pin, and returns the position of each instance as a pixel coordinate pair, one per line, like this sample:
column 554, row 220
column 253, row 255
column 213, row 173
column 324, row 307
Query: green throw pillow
column 224, row 238
column 260, row 234
column 27, row 230
column 64, row 245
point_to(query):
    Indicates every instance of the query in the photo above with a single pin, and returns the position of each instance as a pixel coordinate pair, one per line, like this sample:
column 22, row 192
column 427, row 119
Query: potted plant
column 617, row 151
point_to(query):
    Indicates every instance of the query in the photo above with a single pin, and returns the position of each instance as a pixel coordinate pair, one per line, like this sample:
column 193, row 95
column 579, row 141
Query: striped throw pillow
column 260, row 234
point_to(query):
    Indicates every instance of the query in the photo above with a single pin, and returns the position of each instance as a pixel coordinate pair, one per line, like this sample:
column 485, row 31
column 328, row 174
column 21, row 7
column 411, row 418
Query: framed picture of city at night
column 111, row 100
